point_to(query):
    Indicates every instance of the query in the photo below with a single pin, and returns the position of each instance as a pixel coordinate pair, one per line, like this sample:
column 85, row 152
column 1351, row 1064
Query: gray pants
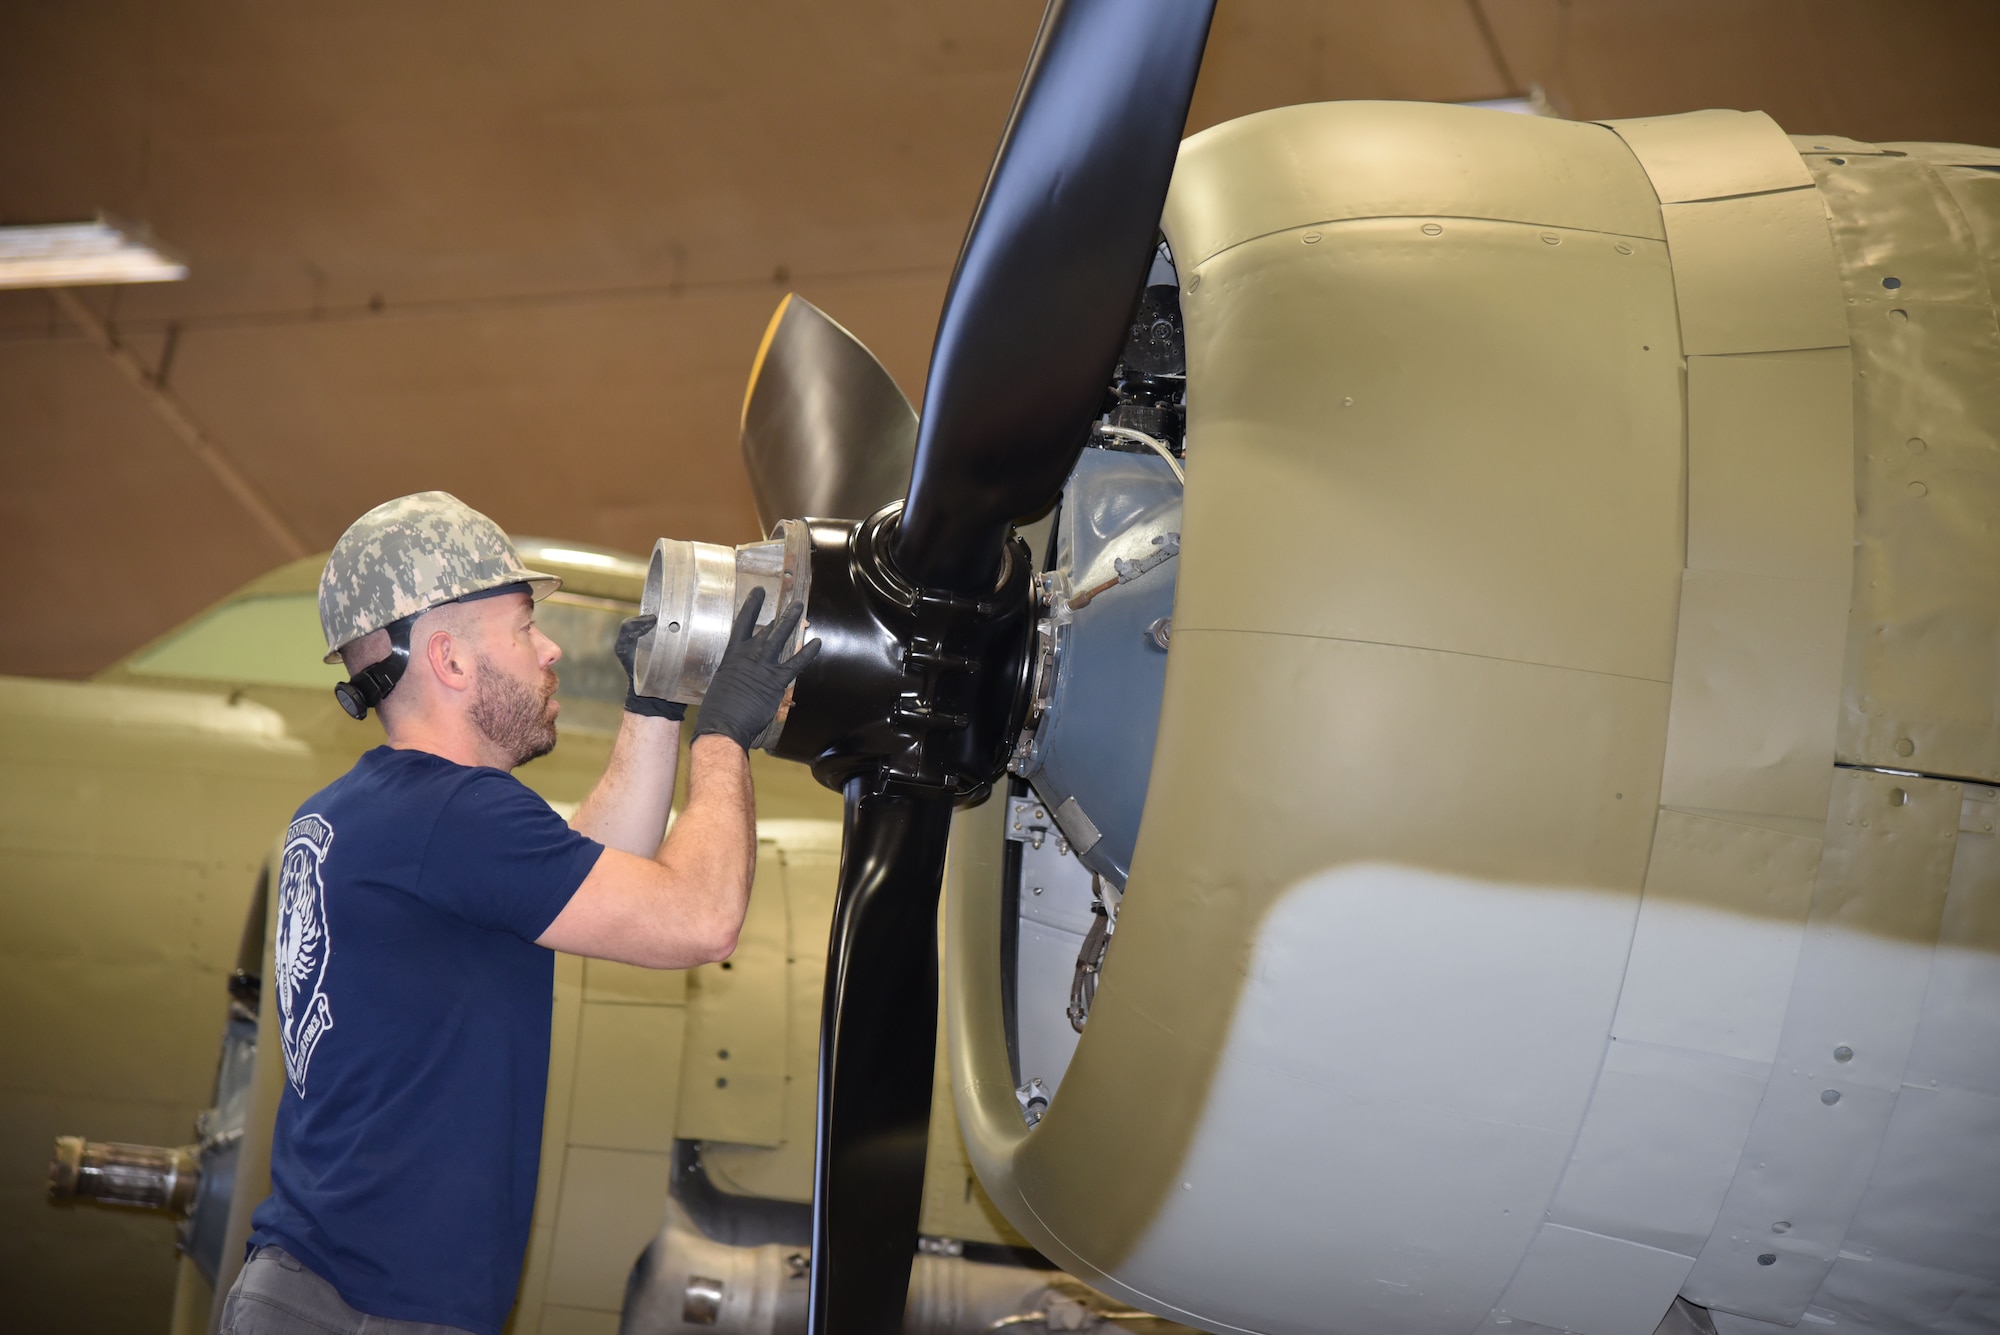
column 276, row 1295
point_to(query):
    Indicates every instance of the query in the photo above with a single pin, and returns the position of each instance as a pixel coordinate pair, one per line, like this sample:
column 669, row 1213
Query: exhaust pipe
column 139, row 1177
column 686, row 1283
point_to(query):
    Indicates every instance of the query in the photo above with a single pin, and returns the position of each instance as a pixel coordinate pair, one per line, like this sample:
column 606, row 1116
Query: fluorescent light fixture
column 1535, row 103
column 570, row 556
column 74, row 254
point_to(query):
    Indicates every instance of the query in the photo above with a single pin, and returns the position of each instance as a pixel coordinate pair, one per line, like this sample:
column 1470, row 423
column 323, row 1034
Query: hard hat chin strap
column 373, row 683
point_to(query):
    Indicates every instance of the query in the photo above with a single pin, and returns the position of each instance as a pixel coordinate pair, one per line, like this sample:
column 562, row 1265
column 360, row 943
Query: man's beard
column 513, row 716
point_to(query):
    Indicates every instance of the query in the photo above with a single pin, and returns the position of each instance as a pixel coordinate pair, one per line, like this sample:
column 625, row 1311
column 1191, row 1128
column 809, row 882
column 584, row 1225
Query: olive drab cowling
column 411, row 554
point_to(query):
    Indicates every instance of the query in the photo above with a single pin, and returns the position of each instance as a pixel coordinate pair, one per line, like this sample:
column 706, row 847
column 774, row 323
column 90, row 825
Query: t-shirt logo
column 301, row 949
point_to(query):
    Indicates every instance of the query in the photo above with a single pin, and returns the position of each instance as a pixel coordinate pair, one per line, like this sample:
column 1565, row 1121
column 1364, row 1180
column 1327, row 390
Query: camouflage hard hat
column 411, row 554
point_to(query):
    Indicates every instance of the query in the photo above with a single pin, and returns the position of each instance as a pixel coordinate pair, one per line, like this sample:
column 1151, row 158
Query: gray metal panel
column 1922, row 1247
column 1594, row 1285
column 1938, row 1209
column 1055, row 887
column 1096, row 742
column 1883, row 1294
column 1849, row 1031
column 1402, row 1083
column 1958, row 1041
column 1720, row 928
column 1046, row 963
column 1728, row 1323
column 1512, row 1325
column 1659, row 1145
column 1054, row 913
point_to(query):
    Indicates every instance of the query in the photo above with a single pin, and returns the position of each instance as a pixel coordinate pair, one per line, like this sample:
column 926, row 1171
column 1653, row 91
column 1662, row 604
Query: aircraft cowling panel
column 1088, row 756
column 1525, row 926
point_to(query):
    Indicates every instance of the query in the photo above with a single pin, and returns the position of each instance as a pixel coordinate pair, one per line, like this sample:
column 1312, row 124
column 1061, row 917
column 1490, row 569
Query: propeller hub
column 922, row 690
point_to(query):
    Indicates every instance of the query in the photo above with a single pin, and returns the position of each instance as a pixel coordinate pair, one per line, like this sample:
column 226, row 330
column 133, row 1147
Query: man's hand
column 630, row 633
column 750, row 681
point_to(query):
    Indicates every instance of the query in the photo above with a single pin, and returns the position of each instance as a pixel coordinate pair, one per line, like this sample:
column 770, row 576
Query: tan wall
column 525, row 254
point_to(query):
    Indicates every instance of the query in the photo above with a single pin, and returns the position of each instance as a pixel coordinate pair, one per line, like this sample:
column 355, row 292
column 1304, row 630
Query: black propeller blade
column 912, row 705
column 1057, row 251
column 878, row 1038
column 925, row 617
column 825, row 430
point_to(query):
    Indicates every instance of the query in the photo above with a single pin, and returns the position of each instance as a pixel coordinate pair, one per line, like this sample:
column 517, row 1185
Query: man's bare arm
column 685, row 905
column 627, row 808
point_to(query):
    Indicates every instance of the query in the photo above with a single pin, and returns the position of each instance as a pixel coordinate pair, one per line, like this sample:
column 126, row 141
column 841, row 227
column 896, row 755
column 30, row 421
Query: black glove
column 750, row 681
column 630, row 633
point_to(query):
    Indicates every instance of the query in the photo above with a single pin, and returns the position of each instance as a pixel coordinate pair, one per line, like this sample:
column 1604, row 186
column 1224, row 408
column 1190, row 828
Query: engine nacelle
column 1566, row 875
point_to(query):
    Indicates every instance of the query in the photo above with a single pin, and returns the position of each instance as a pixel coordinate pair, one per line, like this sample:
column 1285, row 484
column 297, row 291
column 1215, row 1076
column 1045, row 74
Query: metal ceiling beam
column 182, row 423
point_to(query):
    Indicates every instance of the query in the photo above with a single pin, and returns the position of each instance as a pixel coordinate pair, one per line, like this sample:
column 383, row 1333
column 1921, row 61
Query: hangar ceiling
column 524, row 252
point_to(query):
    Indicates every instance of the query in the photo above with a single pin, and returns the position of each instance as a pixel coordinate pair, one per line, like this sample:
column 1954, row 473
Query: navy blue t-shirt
column 413, row 1006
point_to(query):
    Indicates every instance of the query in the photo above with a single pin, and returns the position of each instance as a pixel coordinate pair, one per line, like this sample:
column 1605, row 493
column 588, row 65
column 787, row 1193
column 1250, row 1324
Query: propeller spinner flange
column 917, row 691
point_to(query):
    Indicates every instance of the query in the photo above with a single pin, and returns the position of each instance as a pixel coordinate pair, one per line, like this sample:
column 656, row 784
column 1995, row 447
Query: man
column 419, row 900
